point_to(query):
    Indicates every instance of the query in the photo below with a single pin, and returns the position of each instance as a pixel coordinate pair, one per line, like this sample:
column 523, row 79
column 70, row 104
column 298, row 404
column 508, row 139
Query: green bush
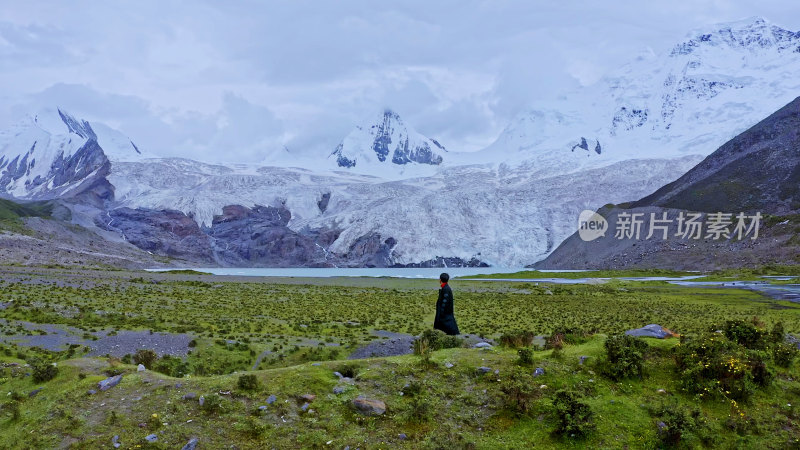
column 680, row 424
column 437, row 340
column 778, row 333
column 248, row 382
column 145, row 358
column 520, row 391
column 212, row 404
column 172, row 366
column 745, row 333
column 41, row 370
column 419, row 407
column 517, row 339
column 565, row 336
column 784, row 353
column 525, row 356
column 573, row 417
column 625, row 357
column 712, row 365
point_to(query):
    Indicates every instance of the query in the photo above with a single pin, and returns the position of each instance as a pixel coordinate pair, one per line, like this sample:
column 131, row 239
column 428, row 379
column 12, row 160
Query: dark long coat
column 445, row 320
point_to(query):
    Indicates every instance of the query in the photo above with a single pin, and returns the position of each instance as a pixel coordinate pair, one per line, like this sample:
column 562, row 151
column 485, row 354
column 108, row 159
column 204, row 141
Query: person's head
column 444, row 278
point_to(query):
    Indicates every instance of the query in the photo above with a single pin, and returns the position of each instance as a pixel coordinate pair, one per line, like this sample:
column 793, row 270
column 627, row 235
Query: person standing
column 445, row 319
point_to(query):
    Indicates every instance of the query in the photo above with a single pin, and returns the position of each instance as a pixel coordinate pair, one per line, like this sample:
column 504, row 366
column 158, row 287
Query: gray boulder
column 191, row 445
column 369, row 407
column 652, row 330
column 108, row 383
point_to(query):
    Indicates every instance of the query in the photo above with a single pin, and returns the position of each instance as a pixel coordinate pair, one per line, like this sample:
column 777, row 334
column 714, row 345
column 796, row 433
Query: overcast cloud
column 236, row 81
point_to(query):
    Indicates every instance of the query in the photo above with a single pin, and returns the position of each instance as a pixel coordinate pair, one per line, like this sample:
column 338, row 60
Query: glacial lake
column 363, row 272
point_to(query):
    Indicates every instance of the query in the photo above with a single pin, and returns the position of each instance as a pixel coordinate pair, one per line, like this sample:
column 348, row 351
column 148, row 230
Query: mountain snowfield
column 510, row 204
column 689, row 100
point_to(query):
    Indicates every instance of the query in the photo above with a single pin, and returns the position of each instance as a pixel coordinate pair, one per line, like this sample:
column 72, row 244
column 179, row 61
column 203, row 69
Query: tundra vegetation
column 268, row 358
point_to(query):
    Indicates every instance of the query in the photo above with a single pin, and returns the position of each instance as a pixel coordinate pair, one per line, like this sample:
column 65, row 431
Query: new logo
column 591, row 225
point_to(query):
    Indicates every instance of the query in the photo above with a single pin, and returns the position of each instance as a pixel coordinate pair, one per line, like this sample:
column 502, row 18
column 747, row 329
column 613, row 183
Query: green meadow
column 292, row 334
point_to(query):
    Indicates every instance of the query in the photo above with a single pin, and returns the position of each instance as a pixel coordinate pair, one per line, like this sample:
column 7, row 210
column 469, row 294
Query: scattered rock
column 484, row 369
column 538, row 372
column 661, row 391
column 653, row 331
column 115, row 441
column 449, row 365
column 368, row 406
column 191, row 445
column 141, row 368
column 309, row 397
column 482, row 345
column 339, row 375
column 661, row 425
column 33, row 393
column 151, row 438
column 305, row 406
column 582, row 360
column 262, row 408
column 189, row 396
column 272, row 399
column 202, row 400
column 108, row 383
column 316, row 364
column 402, row 436
column 338, row 390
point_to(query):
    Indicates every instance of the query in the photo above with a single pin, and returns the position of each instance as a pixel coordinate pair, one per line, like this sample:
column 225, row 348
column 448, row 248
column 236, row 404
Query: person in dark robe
column 445, row 320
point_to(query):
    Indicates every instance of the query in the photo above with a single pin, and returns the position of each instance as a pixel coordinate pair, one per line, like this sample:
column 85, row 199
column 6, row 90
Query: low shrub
column 145, row 358
column 41, row 370
column 517, row 339
column 625, row 357
column 248, row 382
column 565, row 336
column 172, row 366
column 712, row 365
column 574, row 418
column 745, row 333
column 519, row 390
column 525, row 356
column 679, row 424
column 420, row 406
column 212, row 404
column 784, row 353
column 437, row 340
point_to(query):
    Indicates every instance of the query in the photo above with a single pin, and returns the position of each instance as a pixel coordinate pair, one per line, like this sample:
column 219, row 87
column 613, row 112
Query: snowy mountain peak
column 686, row 100
column 751, row 34
column 52, row 153
column 383, row 141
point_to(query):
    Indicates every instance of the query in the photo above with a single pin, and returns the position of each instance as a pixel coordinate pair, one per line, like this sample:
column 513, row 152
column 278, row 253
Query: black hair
column 444, row 278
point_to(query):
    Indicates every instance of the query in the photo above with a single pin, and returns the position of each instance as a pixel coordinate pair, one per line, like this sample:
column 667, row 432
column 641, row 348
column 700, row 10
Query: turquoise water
column 333, row 272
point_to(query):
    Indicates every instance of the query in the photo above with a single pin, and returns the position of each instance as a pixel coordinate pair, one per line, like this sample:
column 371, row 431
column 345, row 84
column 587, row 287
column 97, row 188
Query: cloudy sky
column 235, row 81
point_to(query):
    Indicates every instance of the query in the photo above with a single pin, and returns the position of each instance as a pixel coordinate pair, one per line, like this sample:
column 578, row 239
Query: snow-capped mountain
column 383, row 198
column 52, row 154
column 690, row 99
column 387, row 145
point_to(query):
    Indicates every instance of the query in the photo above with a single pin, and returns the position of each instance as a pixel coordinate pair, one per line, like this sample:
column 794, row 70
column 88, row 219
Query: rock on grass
column 369, row 407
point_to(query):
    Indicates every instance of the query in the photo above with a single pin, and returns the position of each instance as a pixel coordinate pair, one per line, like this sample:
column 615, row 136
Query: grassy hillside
column 11, row 210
